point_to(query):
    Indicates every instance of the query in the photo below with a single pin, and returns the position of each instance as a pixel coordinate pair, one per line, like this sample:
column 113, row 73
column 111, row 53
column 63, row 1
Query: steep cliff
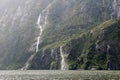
column 59, row 34
column 97, row 48
column 18, row 31
column 74, row 25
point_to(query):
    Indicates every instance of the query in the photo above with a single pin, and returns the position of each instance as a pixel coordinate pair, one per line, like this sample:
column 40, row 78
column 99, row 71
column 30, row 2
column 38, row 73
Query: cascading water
column 114, row 4
column 40, row 27
column 27, row 64
column 63, row 62
column 113, row 9
column 41, row 30
column 118, row 10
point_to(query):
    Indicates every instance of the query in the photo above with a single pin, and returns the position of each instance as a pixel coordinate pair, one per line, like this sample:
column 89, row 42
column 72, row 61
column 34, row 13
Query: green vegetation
column 68, row 18
column 90, row 40
column 94, row 51
column 85, row 30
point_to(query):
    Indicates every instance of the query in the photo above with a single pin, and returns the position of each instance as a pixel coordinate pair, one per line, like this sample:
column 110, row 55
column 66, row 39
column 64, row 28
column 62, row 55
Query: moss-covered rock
column 97, row 48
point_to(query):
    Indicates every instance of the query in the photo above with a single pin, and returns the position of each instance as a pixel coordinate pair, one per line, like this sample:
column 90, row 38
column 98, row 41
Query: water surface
column 59, row 75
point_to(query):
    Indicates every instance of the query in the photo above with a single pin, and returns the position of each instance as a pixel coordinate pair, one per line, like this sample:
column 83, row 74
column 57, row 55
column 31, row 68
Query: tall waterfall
column 40, row 27
column 63, row 62
column 114, row 9
column 114, row 4
column 41, row 30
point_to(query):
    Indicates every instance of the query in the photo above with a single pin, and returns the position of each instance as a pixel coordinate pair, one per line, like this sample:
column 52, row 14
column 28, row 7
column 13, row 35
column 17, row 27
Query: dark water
column 59, row 75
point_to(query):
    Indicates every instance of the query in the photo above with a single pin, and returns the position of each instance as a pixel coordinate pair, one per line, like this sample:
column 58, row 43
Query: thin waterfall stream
column 40, row 27
column 63, row 62
column 41, row 30
column 113, row 9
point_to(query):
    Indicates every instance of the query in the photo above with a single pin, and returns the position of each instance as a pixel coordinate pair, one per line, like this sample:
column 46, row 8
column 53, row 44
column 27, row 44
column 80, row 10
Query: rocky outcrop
column 71, row 36
column 18, row 31
column 50, row 59
column 47, row 59
column 99, row 50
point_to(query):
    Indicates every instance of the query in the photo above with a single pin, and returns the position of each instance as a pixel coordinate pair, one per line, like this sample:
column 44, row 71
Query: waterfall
column 114, row 4
column 118, row 14
column 103, row 1
column 40, row 30
column 113, row 9
column 63, row 62
column 40, row 27
column 118, row 10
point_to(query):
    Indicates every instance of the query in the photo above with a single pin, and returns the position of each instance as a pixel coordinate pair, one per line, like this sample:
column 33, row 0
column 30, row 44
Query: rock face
column 18, row 31
column 96, row 50
column 47, row 59
column 87, row 30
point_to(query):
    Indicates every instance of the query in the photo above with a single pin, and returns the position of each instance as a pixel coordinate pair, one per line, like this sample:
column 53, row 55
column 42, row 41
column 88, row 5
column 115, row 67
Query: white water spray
column 114, row 9
column 114, row 4
column 63, row 62
column 41, row 30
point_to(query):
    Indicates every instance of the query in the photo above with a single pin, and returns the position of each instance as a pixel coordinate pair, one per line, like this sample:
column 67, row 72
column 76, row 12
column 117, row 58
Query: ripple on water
column 59, row 75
